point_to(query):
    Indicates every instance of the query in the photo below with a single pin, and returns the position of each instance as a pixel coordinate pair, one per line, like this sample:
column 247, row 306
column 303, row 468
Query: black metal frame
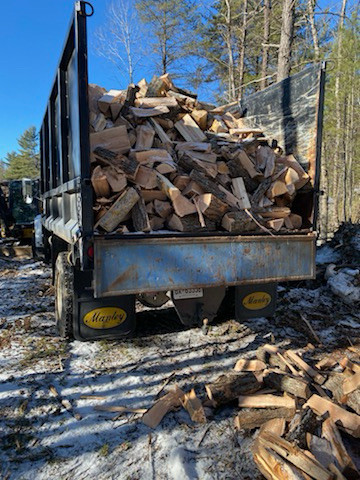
column 55, row 134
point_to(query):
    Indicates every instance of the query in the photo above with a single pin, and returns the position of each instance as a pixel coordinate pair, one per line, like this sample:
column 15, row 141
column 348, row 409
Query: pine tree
column 26, row 162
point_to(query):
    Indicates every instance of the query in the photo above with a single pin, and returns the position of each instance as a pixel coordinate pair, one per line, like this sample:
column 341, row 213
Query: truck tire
column 64, row 296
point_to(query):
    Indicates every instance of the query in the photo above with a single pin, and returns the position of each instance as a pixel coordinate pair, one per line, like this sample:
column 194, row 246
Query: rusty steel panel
column 147, row 265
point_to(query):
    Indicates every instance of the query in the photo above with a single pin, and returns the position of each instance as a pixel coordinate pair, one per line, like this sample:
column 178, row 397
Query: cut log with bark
column 140, row 216
column 100, row 183
column 228, row 388
column 250, row 419
column 119, row 210
column 238, row 222
column 189, row 223
column 212, row 207
column 287, row 383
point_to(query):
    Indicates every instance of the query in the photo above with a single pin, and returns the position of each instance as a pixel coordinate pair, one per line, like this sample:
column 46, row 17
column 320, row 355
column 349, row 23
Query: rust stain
column 121, row 278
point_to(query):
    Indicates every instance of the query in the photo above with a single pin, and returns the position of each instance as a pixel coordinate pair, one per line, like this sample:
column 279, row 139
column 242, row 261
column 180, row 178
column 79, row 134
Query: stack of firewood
column 299, row 410
column 163, row 160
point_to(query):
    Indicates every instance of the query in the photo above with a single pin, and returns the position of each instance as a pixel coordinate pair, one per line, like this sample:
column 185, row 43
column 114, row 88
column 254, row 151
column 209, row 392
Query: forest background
column 228, row 49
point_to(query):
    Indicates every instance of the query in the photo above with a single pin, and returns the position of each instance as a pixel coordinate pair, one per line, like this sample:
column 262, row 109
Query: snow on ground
column 41, row 439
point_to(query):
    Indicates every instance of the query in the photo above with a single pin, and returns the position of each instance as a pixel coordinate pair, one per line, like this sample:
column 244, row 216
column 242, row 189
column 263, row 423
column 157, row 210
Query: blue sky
column 31, row 38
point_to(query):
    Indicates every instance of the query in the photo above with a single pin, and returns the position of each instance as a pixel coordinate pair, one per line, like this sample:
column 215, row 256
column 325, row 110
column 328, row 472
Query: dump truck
column 98, row 276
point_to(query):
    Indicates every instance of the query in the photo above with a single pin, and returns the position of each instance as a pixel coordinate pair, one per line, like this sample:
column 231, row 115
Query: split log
column 207, row 157
column 212, row 207
column 152, row 155
column 238, row 222
column 163, row 209
column 334, row 383
column 237, row 170
column 188, row 163
column 250, row 419
column 208, row 185
column 351, row 383
column 300, row 363
column 200, row 117
column 290, row 161
column 189, row 129
column 151, row 102
column 276, row 189
column 222, row 167
column 181, row 204
column 148, row 112
column 100, row 183
column 349, row 422
column 117, row 181
column 144, row 137
column 190, row 223
column 192, row 189
column 168, row 402
column 160, row 132
column 273, row 212
column 115, row 139
column 286, row 383
column 150, row 195
column 182, row 181
column 166, row 167
column 197, row 146
column 156, row 223
column 218, row 125
column 108, row 98
column 247, row 164
column 331, row 433
column 140, row 217
column 294, row 455
column 303, row 422
column 146, row 178
column 227, row 388
column 275, row 224
column 119, row 210
column 276, row 425
column 194, row 406
column 266, row 401
column 240, row 193
column 157, row 87
column 249, row 365
column 99, row 122
column 321, row 449
column 293, row 221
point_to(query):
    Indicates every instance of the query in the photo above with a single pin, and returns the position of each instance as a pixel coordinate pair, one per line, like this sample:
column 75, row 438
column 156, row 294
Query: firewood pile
column 163, row 160
column 297, row 409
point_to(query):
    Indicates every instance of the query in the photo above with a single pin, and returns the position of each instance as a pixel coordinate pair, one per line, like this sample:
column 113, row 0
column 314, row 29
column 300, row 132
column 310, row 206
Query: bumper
column 131, row 266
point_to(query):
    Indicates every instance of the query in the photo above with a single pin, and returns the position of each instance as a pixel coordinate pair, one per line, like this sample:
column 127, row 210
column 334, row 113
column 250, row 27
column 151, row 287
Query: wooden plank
column 119, row 210
column 189, row 129
column 194, row 406
column 243, row 365
column 266, row 401
column 240, row 193
column 348, row 421
column 115, row 139
column 168, row 402
column 148, row 112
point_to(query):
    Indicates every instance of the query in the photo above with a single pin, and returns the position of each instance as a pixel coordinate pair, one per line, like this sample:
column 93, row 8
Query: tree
column 286, row 39
column 120, row 39
column 26, row 162
column 171, row 24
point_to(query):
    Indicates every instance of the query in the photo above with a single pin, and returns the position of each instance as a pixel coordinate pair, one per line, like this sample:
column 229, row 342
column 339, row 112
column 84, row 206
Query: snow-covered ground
column 41, row 439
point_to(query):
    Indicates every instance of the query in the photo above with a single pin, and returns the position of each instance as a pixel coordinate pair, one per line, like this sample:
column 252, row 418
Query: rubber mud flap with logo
column 111, row 318
column 255, row 300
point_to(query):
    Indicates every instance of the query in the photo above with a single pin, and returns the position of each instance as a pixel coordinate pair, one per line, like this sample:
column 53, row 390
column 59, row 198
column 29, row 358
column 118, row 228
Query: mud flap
column 192, row 311
column 253, row 301
column 107, row 318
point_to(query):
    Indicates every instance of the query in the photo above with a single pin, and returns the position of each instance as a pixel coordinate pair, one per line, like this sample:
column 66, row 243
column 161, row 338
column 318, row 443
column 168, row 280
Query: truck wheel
column 64, row 295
